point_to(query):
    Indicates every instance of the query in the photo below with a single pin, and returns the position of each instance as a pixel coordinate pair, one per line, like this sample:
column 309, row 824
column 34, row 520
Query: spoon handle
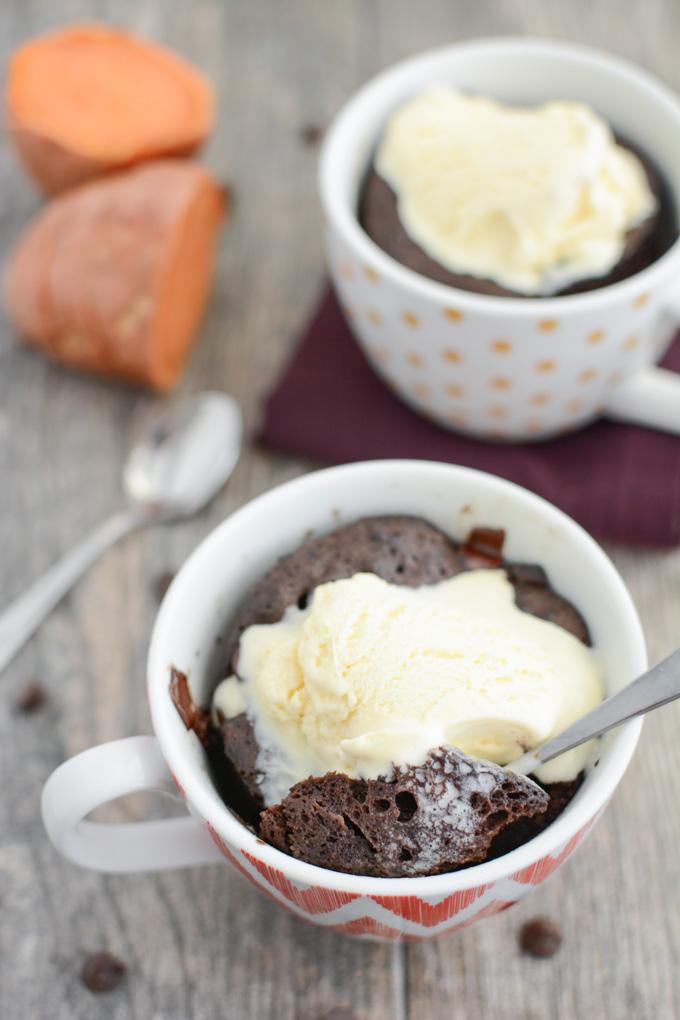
column 654, row 688
column 25, row 614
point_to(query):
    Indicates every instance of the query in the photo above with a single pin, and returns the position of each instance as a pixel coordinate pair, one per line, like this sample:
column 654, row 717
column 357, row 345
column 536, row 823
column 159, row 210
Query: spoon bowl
column 183, row 459
column 179, row 463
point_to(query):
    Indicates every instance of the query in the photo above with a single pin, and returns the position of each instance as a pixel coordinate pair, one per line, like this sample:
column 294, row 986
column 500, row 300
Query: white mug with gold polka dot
column 503, row 367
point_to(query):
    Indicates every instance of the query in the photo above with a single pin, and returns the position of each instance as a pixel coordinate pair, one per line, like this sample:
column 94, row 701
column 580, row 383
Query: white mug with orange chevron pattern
column 202, row 598
column 498, row 367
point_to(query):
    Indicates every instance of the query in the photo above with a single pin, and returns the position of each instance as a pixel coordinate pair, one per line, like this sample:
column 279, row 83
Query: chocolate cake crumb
column 531, row 598
column 540, row 937
column 162, row 583
column 423, row 820
column 237, row 742
column 524, row 829
column 102, row 972
column 31, row 699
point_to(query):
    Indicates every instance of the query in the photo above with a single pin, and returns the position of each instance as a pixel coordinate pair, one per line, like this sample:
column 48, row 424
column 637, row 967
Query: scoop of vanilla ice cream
column 533, row 198
column 373, row 674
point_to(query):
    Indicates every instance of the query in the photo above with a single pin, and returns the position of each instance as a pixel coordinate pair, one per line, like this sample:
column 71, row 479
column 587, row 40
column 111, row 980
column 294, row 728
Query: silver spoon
column 653, row 689
column 180, row 462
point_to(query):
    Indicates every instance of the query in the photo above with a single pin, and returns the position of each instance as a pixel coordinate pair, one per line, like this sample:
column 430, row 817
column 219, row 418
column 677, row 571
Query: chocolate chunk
column 31, row 699
column 483, row 547
column 540, row 937
column 102, row 972
column 162, row 583
column 422, row 820
column 193, row 717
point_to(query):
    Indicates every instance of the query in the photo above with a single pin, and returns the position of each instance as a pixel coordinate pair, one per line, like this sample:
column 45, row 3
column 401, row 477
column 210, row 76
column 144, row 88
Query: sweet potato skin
column 87, row 281
column 53, row 166
column 54, row 169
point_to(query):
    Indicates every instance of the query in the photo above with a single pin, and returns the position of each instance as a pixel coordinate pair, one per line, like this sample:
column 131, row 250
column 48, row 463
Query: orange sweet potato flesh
column 113, row 276
column 89, row 99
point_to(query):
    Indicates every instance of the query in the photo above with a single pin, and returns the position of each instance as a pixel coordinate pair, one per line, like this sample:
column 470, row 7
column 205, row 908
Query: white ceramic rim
column 602, row 782
column 343, row 217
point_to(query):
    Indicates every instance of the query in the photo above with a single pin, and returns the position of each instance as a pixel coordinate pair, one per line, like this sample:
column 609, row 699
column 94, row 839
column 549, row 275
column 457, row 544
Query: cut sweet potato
column 112, row 277
column 90, row 99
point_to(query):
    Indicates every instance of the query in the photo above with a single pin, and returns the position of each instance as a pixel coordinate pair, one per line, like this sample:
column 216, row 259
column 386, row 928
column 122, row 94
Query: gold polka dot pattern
column 535, row 371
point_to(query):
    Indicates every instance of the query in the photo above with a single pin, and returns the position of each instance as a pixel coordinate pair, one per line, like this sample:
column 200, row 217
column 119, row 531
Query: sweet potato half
column 112, row 277
column 90, row 99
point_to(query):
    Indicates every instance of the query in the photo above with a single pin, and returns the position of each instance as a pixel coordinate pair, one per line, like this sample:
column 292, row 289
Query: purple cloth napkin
column 621, row 482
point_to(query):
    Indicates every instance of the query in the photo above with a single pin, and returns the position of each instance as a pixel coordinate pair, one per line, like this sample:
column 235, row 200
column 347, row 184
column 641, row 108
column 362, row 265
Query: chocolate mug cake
column 547, row 200
column 376, row 681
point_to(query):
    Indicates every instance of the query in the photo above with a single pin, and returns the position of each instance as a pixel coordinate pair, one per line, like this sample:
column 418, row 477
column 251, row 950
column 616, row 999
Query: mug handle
column 650, row 397
column 101, row 774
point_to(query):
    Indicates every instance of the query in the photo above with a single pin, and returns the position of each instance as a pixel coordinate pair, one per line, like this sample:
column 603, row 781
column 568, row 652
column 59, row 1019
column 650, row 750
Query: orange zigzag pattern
column 314, row 900
column 224, row 849
column 412, row 908
column 536, row 873
column 322, row 901
column 369, row 926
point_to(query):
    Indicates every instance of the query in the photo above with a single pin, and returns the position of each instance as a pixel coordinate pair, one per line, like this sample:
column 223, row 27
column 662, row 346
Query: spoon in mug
column 653, row 689
column 178, row 465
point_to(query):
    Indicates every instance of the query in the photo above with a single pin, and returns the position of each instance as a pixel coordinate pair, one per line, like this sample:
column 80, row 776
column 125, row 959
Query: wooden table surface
column 202, row 943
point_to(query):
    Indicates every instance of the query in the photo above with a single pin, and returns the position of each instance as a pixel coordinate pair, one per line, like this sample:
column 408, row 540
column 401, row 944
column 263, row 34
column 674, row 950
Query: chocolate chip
column 540, row 937
column 101, row 972
column 162, row 583
column 31, row 699
column 311, row 135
